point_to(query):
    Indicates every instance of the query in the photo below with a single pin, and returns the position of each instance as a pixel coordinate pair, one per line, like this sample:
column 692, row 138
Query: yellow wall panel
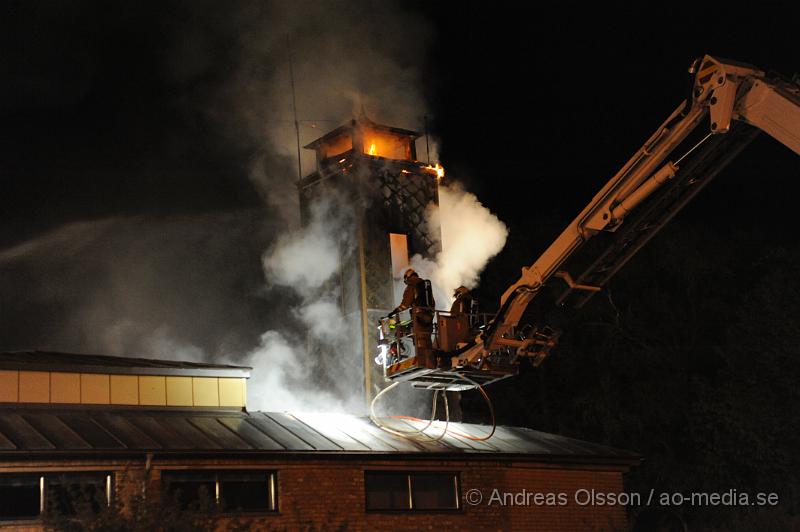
column 9, row 386
column 34, row 387
column 179, row 391
column 124, row 390
column 146, row 390
column 65, row 387
column 152, row 390
column 95, row 389
column 206, row 391
column 231, row 392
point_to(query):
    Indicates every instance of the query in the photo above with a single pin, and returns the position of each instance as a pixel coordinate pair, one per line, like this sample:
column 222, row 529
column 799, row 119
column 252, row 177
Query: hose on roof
column 416, row 433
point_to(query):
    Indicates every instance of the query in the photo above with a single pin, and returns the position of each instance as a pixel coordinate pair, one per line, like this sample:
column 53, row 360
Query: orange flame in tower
column 372, row 150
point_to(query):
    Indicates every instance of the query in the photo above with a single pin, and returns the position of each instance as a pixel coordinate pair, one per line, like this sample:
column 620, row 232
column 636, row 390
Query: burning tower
column 371, row 173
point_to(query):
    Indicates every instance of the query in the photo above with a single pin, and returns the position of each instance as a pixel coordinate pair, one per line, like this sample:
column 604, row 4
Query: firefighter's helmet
column 408, row 275
column 461, row 290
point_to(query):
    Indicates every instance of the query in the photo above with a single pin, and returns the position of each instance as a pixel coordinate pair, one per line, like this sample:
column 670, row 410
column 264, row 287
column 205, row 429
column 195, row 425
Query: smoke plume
column 471, row 236
column 239, row 286
column 321, row 63
column 318, row 367
column 186, row 287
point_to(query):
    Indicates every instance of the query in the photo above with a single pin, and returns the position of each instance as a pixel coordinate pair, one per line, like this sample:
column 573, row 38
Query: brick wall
column 328, row 494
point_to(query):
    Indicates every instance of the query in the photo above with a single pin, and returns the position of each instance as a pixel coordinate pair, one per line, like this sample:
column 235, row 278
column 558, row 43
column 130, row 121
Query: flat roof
column 84, row 363
column 30, row 430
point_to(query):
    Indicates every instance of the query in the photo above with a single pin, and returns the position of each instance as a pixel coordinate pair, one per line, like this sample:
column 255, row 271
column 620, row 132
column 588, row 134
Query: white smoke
column 289, row 370
column 305, row 258
column 178, row 288
column 471, row 236
column 283, row 379
column 160, row 289
column 343, row 65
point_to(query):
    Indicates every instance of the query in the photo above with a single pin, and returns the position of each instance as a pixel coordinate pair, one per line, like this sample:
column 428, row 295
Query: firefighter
column 462, row 318
column 418, row 297
column 463, row 301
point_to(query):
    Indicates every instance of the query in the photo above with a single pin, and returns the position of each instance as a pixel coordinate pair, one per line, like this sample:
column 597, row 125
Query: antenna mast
column 294, row 112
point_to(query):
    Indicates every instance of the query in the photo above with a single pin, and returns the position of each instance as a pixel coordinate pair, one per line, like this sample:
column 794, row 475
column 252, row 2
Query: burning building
column 373, row 171
column 122, row 428
column 165, row 432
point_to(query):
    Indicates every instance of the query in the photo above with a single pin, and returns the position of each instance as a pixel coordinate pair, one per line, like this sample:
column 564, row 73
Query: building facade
column 278, row 471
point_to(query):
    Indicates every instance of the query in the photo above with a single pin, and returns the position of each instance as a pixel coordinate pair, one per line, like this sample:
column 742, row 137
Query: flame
column 372, row 150
column 438, row 169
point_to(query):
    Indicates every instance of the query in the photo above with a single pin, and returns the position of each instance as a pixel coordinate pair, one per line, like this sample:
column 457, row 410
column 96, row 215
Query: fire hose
column 415, row 434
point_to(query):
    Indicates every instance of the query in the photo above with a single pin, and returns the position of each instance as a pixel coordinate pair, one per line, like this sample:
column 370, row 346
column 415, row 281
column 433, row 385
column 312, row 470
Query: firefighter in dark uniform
column 418, row 297
column 463, row 301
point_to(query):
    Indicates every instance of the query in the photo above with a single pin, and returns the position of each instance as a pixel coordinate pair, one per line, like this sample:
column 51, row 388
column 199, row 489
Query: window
column 230, row 491
column 398, row 246
column 27, row 496
column 247, row 491
column 70, row 494
column 192, row 491
column 20, row 498
column 419, row 490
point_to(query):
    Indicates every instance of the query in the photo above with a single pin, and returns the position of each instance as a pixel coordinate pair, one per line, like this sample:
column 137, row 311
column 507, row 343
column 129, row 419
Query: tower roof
column 354, row 124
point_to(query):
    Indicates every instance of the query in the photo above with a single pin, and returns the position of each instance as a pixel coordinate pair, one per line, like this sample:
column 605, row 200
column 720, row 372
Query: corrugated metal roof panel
column 327, row 425
column 189, row 432
column 473, row 435
column 249, row 433
column 56, row 431
column 212, row 427
column 427, row 439
column 163, row 434
column 6, row 444
column 505, row 440
column 278, row 432
column 32, row 429
column 130, row 435
column 22, row 433
column 91, row 432
column 381, row 439
column 304, row 432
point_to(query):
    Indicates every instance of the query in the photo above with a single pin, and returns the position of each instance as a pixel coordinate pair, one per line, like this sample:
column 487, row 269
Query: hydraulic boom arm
column 660, row 178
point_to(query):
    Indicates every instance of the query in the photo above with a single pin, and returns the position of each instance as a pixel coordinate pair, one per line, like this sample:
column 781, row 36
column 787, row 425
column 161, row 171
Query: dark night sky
column 536, row 107
column 552, row 102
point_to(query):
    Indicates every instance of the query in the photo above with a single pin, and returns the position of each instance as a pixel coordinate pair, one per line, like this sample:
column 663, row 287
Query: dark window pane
column 434, row 491
column 73, row 494
column 19, row 498
column 194, row 491
column 193, row 495
column 245, row 491
column 386, row 490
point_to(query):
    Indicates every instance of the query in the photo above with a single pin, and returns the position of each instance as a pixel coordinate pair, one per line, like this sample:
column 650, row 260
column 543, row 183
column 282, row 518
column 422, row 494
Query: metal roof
column 35, row 430
column 71, row 362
